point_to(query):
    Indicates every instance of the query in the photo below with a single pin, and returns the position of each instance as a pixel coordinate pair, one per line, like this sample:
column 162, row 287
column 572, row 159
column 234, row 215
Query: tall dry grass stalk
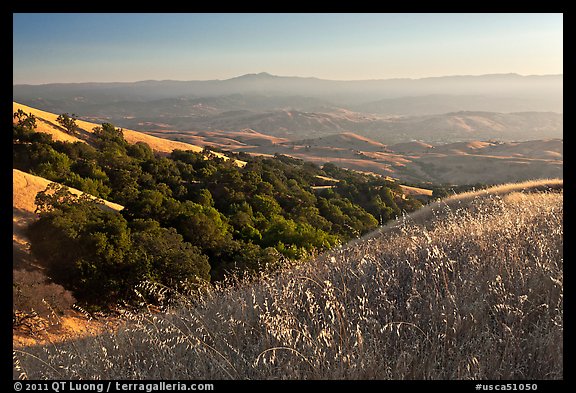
column 477, row 293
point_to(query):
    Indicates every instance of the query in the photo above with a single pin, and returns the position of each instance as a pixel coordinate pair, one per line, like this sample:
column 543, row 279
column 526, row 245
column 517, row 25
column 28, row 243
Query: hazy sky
column 129, row 47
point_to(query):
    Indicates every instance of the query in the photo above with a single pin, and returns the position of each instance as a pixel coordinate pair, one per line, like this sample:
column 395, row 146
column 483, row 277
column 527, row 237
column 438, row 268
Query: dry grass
column 34, row 295
column 47, row 123
column 408, row 190
column 477, row 293
column 58, row 328
column 24, row 189
column 438, row 209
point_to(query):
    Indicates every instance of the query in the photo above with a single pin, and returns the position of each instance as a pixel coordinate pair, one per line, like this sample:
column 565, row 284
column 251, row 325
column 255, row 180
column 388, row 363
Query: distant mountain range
column 506, row 107
column 523, row 93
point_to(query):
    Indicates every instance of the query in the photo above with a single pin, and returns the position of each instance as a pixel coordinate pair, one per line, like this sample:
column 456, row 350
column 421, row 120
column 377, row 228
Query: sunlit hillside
column 24, row 189
column 47, row 123
column 473, row 291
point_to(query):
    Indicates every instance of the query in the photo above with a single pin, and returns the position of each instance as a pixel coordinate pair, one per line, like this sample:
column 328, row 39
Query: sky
column 58, row 48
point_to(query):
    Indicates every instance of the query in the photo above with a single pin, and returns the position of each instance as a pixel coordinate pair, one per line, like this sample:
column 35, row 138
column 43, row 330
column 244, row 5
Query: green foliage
column 244, row 259
column 347, row 219
column 68, row 122
column 95, row 253
column 23, row 135
column 110, row 141
column 239, row 219
column 203, row 226
column 204, row 198
column 439, row 192
column 76, row 150
column 266, row 205
column 89, row 185
column 25, row 121
column 46, row 162
column 140, row 151
column 84, row 247
column 300, row 238
column 172, row 262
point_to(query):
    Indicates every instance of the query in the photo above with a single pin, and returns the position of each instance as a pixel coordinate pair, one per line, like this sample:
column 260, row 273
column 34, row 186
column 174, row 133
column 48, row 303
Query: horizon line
column 266, row 74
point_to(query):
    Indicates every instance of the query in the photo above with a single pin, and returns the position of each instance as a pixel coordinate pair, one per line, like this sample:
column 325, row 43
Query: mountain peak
column 261, row 75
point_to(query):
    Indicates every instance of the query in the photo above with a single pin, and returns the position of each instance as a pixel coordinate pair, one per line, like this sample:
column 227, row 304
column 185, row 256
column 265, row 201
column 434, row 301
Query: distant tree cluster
column 187, row 217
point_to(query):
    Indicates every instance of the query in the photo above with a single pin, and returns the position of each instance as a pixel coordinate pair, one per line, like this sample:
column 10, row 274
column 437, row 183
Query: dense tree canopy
column 187, row 215
column 100, row 256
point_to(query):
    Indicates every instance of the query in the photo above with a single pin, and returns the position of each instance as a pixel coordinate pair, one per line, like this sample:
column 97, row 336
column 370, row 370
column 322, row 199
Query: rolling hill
column 298, row 124
column 435, row 110
column 227, row 140
column 346, row 140
column 472, row 288
column 442, row 103
column 469, row 161
column 410, row 147
column 488, row 162
column 422, row 276
column 47, row 123
column 26, row 186
column 31, row 285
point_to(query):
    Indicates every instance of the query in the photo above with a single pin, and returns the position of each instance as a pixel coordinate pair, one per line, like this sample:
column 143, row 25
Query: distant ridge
column 344, row 140
column 361, row 90
column 267, row 75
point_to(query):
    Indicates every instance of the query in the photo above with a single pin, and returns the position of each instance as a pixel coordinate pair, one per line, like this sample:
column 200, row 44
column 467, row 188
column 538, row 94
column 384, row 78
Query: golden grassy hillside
column 31, row 286
column 417, row 191
column 47, row 123
column 227, row 140
column 428, row 214
column 476, row 293
column 345, row 140
column 24, row 189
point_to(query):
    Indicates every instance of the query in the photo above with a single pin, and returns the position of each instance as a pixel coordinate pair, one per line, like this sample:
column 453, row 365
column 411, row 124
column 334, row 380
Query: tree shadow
column 21, row 255
column 81, row 133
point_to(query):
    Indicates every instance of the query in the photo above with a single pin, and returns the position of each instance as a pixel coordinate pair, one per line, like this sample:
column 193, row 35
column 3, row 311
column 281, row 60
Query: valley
column 487, row 162
column 450, row 130
column 414, row 162
column 132, row 205
column 309, row 197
